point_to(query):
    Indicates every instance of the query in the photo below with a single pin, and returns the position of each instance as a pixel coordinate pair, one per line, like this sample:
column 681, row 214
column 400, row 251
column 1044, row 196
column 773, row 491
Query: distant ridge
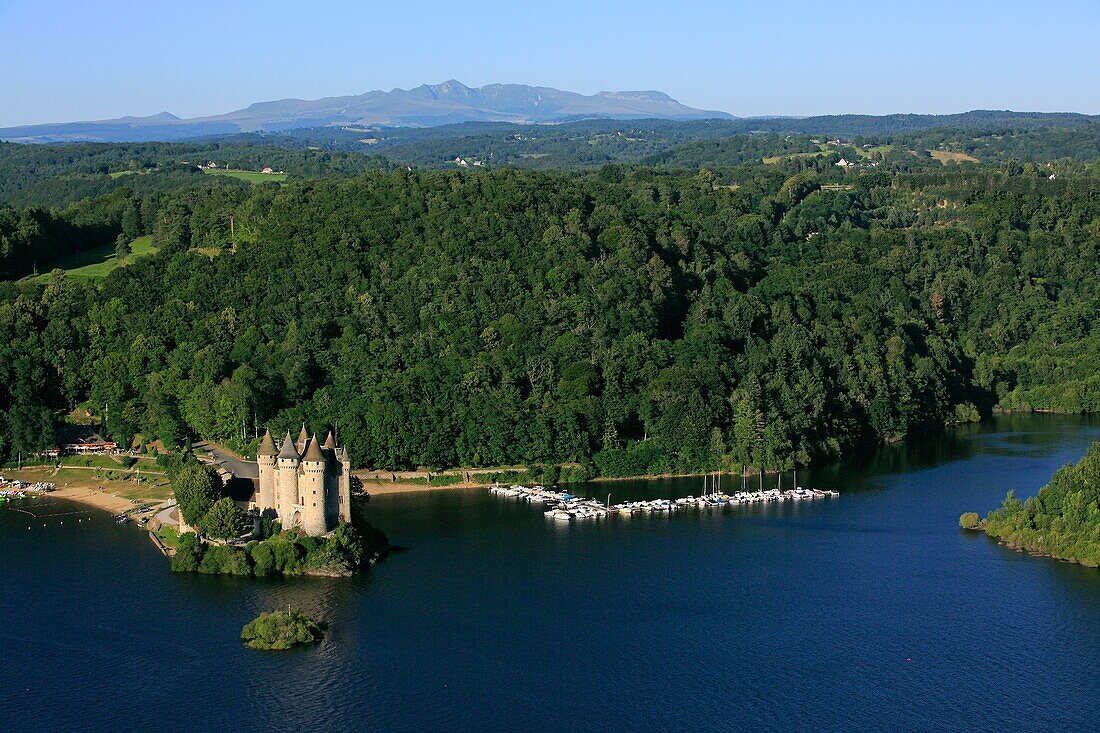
column 427, row 105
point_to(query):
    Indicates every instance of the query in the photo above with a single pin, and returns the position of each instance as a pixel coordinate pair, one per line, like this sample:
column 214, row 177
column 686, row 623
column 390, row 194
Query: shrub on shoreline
column 1062, row 520
column 343, row 552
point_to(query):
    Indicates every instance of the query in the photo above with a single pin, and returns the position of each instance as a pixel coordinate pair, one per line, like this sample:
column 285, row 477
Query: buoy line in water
column 45, row 516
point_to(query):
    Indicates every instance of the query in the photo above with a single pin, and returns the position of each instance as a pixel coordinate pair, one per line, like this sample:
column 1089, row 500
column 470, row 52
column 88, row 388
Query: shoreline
column 1031, row 550
column 400, row 488
column 378, row 488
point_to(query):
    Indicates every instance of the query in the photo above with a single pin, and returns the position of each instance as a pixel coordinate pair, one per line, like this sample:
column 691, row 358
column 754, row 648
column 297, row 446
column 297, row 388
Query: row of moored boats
column 563, row 506
column 16, row 489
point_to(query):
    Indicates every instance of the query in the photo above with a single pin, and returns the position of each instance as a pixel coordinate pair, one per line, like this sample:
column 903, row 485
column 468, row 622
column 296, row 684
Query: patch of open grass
column 98, row 262
column 250, row 176
column 93, row 461
column 772, row 160
column 946, row 156
column 169, row 536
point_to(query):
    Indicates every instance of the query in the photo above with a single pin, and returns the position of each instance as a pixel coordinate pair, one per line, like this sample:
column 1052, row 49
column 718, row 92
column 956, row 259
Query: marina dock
column 563, row 506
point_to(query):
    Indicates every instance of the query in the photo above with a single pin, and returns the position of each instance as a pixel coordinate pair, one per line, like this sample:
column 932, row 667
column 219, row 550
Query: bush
column 269, row 527
column 263, row 560
column 969, row 520
column 964, row 413
column 281, row 630
column 223, row 559
column 189, row 554
column 576, row 474
column 288, row 554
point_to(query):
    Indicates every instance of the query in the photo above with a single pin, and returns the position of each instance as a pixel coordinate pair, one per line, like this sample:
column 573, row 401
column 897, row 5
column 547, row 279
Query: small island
column 1061, row 521
column 281, row 630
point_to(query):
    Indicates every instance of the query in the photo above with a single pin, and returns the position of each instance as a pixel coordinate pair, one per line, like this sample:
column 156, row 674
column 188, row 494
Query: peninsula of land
column 1061, row 521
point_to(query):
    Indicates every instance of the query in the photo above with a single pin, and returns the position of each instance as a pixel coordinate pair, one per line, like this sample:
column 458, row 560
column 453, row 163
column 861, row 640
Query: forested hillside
column 630, row 319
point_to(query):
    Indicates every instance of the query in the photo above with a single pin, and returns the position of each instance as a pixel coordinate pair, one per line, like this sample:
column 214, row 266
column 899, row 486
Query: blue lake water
column 865, row 613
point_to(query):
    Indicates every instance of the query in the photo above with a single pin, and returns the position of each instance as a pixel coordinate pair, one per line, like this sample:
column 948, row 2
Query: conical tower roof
column 288, row 450
column 313, row 452
column 303, row 438
column 330, row 442
column 267, row 445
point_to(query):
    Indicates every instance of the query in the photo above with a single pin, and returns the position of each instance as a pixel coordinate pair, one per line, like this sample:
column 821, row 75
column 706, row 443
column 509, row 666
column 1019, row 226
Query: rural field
column 946, row 156
column 250, row 176
column 98, row 262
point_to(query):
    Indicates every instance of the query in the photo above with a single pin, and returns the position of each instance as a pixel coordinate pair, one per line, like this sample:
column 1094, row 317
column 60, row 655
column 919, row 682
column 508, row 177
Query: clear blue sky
column 65, row 60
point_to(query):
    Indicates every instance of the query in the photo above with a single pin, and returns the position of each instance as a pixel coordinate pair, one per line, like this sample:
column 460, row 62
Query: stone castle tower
column 305, row 484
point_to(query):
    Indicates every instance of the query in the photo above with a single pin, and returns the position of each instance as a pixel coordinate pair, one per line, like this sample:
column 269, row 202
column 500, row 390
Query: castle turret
column 332, row 482
column 303, row 438
column 286, row 484
column 311, row 488
column 344, row 500
column 266, row 460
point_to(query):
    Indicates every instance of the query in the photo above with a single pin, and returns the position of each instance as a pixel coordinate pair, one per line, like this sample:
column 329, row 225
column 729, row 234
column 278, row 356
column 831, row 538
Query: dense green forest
column 1062, row 520
column 632, row 319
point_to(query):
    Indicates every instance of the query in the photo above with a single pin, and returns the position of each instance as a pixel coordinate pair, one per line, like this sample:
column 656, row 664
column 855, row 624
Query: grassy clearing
column 780, row 158
column 946, row 156
column 250, row 176
column 98, row 262
column 93, row 461
column 120, row 174
column 169, row 536
column 868, row 152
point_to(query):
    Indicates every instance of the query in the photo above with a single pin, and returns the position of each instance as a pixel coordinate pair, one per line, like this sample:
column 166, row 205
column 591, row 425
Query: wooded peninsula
column 1062, row 520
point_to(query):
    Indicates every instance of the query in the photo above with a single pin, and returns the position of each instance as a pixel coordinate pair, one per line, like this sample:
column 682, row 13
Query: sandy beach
column 82, row 486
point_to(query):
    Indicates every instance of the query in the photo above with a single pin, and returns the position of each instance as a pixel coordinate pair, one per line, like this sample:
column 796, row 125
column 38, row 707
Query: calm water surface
column 865, row 613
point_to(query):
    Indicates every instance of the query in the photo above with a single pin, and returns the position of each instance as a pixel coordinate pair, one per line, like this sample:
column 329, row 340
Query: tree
column 224, row 520
column 131, row 222
column 196, row 490
column 122, row 247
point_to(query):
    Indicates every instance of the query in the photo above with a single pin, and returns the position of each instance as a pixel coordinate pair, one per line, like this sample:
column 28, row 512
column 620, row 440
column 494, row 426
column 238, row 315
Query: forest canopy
column 631, row 319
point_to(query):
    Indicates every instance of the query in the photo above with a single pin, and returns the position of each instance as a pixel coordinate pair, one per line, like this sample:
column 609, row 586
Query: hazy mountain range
column 427, row 105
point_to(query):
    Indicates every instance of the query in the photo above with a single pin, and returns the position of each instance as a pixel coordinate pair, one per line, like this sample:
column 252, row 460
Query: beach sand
column 112, row 496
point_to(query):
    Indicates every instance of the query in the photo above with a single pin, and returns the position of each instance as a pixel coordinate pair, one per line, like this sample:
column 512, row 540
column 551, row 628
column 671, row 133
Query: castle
column 305, row 484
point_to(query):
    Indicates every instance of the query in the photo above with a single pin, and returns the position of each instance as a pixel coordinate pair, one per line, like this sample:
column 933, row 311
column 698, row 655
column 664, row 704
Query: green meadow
column 93, row 263
column 250, row 176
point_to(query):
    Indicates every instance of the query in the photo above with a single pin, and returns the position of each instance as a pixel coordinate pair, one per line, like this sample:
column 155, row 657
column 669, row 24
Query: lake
column 869, row 612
